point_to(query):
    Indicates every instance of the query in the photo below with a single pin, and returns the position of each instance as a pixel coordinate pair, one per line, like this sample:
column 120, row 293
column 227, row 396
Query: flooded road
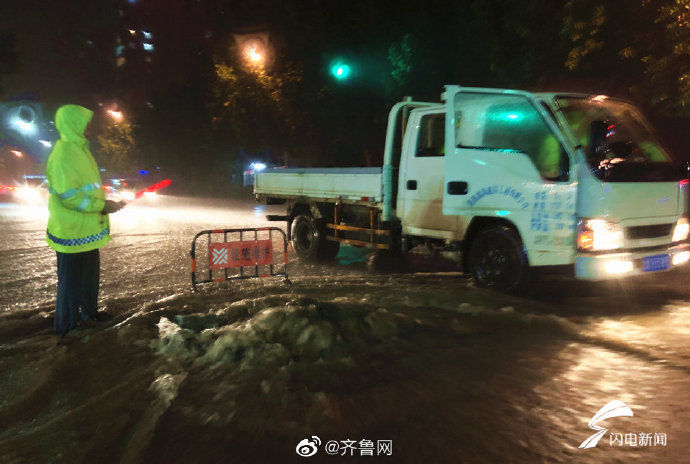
column 412, row 366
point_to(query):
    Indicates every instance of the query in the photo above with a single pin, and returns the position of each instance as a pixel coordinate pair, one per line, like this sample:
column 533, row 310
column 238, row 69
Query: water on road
column 245, row 370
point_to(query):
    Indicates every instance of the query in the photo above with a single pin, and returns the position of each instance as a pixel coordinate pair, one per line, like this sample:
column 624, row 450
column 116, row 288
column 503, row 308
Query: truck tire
column 498, row 260
column 309, row 240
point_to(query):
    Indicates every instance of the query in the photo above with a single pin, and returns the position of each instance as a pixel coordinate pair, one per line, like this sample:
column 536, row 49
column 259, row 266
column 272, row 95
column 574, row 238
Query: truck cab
column 577, row 179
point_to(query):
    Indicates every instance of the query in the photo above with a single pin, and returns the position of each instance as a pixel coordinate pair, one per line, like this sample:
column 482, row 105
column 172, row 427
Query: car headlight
column 680, row 232
column 597, row 234
column 28, row 194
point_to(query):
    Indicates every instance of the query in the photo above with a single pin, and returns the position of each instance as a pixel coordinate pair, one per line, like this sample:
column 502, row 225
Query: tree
column 639, row 49
column 670, row 70
column 255, row 109
column 117, row 149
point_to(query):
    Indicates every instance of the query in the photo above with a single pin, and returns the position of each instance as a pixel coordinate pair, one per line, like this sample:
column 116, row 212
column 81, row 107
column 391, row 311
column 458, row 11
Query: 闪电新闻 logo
column 613, row 408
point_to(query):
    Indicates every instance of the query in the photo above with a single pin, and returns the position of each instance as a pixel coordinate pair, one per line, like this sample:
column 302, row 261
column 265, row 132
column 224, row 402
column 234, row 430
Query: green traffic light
column 340, row 71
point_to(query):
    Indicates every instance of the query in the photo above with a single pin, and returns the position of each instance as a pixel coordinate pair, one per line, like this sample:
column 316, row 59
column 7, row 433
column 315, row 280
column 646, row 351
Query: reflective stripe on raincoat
column 76, row 199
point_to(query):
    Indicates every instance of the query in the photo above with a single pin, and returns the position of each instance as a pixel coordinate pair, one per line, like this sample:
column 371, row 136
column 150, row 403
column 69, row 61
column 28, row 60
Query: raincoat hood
column 71, row 120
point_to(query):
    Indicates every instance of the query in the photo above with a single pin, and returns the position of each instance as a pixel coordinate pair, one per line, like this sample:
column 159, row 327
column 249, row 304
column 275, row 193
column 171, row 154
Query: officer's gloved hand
column 113, row 206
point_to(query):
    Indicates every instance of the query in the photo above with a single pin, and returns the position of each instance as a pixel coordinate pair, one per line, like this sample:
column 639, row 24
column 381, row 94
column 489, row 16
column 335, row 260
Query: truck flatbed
column 348, row 185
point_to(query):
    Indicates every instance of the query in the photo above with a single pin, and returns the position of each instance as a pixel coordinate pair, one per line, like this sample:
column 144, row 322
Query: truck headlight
column 680, row 232
column 597, row 234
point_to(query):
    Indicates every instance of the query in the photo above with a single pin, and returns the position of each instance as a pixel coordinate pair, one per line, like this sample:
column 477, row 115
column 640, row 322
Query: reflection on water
column 661, row 334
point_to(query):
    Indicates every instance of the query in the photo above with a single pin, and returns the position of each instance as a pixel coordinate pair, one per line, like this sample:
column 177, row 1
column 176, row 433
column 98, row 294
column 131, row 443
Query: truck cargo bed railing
column 374, row 233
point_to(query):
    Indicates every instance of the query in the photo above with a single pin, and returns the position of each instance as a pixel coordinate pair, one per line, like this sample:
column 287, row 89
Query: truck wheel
column 497, row 260
column 309, row 240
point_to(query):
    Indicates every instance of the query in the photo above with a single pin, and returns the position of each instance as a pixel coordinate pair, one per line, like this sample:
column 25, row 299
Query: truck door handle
column 411, row 185
column 457, row 188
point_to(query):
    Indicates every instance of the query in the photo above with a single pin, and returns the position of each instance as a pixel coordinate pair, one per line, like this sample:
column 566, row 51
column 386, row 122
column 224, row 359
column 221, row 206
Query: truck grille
column 653, row 231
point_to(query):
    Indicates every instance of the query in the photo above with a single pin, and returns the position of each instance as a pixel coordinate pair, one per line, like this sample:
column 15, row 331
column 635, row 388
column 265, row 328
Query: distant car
column 118, row 189
column 125, row 189
column 32, row 190
column 248, row 175
column 6, row 191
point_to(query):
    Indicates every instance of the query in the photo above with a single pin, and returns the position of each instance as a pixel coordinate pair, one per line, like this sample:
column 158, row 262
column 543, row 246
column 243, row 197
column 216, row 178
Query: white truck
column 508, row 179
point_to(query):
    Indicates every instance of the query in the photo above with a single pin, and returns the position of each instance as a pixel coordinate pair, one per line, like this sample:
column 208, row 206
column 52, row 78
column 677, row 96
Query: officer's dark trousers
column 78, row 279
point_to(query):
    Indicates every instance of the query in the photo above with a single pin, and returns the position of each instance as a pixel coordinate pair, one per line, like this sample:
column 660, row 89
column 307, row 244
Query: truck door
column 421, row 177
column 508, row 160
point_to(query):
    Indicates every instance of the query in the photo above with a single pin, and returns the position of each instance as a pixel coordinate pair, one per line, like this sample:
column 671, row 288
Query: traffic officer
column 78, row 224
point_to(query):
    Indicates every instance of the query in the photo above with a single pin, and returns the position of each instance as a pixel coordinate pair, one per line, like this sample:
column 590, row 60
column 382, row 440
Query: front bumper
column 630, row 263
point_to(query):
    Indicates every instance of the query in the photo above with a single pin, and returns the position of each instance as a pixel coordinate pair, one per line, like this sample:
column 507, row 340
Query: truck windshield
column 620, row 145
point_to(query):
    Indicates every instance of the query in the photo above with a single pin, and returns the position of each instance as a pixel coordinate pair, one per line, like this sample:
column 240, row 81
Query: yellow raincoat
column 76, row 199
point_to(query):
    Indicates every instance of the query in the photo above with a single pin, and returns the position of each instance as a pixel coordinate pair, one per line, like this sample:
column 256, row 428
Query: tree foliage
column 635, row 49
column 670, row 70
column 117, row 148
column 293, row 108
column 639, row 49
column 253, row 108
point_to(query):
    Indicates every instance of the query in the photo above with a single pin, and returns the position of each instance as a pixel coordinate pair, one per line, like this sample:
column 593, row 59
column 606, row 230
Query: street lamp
column 253, row 55
column 255, row 50
column 115, row 115
column 24, row 128
column 23, row 119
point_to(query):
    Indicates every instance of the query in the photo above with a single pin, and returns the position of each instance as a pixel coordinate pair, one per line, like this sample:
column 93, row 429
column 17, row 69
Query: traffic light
column 341, row 71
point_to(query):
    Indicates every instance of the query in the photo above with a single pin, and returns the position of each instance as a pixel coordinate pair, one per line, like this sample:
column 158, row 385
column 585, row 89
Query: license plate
column 656, row 263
